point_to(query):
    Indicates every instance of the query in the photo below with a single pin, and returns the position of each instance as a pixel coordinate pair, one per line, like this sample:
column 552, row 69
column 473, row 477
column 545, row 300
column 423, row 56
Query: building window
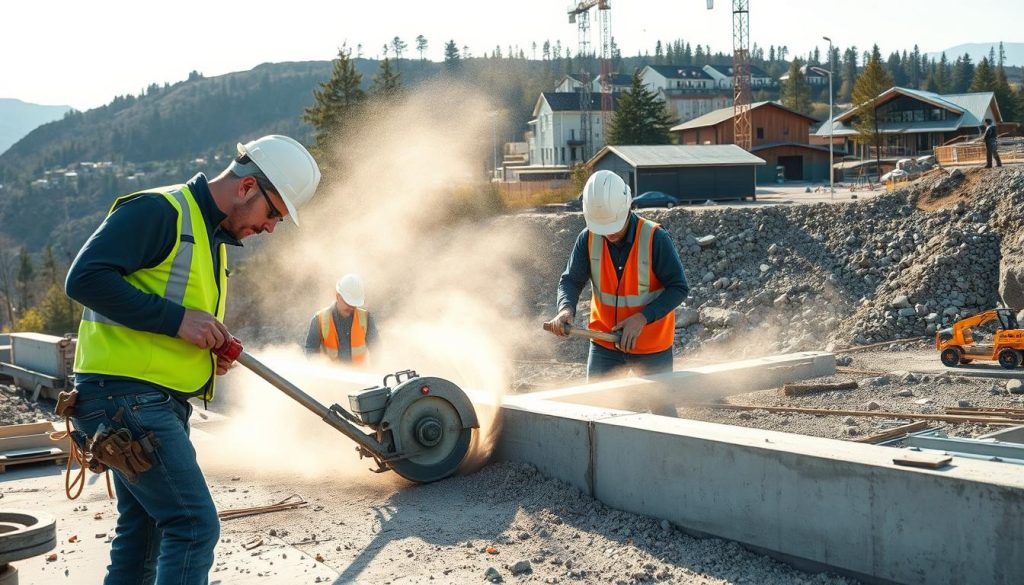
column 760, row 133
column 563, row 154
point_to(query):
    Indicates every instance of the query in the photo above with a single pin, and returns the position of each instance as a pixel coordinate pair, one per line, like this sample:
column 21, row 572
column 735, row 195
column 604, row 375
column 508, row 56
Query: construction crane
column 741, row 93
column 580, row 16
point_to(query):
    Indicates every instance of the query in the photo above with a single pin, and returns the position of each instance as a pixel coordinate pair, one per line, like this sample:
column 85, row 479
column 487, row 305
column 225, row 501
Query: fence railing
column 523, row 194
column 972, row 153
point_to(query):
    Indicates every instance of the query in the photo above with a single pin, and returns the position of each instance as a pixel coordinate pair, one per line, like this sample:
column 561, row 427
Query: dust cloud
column 410, row 211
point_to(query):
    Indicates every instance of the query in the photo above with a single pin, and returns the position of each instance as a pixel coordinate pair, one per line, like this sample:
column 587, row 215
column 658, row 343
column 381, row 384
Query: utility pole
column 831, row 126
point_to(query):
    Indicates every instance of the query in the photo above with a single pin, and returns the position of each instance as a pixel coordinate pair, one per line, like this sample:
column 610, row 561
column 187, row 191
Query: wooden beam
column 992, row 420
column 794, row 389
column 894, row 432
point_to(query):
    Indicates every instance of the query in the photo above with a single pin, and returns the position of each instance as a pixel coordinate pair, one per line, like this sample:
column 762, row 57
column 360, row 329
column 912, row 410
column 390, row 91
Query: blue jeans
column 167, row 524
column 604, row 363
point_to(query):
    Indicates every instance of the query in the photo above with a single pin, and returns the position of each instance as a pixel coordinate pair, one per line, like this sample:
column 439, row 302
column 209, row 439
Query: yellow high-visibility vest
column 185, row 277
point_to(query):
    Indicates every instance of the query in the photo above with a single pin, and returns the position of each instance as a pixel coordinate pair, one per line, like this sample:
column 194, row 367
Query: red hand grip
column 230, row 350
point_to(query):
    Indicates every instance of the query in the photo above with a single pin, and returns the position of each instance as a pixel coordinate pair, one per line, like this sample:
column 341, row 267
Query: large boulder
column 1011, row 283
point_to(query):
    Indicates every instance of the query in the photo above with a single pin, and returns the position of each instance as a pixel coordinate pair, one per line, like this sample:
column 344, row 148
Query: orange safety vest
column 613, row 301
column 357, row 339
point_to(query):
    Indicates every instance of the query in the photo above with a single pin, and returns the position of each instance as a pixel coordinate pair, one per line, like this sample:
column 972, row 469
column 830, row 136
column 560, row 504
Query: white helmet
column 288, row 166
column 350, row 287
column 606, row 202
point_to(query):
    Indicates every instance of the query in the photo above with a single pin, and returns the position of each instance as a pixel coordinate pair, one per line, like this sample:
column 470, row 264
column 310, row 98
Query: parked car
column 575, row 204
column 655, row 199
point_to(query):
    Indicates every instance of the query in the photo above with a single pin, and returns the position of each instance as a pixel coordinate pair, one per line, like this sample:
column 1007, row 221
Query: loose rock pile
column 789, row 278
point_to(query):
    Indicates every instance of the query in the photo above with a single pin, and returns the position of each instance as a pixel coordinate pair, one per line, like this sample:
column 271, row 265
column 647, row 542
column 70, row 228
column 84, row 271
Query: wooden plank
column 894, row 432
column 805, row 389
column 58, row 458
column 976, row 418
column 43, row 426
column 984, row 409
column 925, row 460
column 25, row 442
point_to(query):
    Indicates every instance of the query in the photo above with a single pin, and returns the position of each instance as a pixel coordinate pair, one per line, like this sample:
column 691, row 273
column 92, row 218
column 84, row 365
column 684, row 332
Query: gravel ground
column 509, row 523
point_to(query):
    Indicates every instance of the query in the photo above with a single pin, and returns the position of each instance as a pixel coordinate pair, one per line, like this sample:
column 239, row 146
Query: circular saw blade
column 433, row 436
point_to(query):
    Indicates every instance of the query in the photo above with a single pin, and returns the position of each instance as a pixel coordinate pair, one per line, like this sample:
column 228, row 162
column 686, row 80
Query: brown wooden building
column 779, row 135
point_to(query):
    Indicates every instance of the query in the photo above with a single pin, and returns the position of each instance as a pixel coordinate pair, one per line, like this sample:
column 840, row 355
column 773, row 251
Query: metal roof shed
column 692, row 172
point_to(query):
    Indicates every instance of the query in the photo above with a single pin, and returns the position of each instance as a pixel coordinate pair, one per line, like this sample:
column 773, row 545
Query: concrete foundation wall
column 829, row 502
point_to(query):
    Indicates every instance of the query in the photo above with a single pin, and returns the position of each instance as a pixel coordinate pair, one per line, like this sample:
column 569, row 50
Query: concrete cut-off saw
column 421, row 428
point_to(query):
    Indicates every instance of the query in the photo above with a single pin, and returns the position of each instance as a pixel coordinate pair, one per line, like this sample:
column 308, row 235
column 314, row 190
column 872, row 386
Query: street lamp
column 831, row 125
column 494, row 145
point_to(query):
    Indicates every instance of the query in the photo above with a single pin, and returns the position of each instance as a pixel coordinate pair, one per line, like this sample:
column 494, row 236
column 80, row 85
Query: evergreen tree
column 871, row 83
column 848, row 75
column 50, row 269
column 451, row 57
column 963, row 74
column 796, row 94
column 659, row 54
column 335, row 102
column 1004, row 94
column 640, row 118
column 984, row 78
column 398, row 46
column 895, row 67
column 421, row 45
column 24, row 279
column 943, row 75
column 387, row 82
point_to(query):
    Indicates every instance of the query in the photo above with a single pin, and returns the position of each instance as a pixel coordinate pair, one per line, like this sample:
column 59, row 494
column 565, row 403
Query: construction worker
column 636, row 277
column 343, row 331
column 152, row 278
column 989, row 135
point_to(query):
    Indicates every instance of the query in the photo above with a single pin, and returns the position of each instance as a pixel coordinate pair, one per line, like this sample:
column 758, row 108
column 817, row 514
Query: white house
column 688, row 91
column 722, row 74
column 574, row 82
column 555, row 138
column 570, row 83
column 813, row 76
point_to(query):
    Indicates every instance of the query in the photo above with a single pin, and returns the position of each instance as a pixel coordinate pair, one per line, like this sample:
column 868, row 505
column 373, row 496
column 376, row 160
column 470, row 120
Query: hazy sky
column 84, row 53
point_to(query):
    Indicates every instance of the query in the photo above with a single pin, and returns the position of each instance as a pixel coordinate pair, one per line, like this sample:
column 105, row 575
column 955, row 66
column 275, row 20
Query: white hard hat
column 606, row 202
column 289, row 167
column 350, row 287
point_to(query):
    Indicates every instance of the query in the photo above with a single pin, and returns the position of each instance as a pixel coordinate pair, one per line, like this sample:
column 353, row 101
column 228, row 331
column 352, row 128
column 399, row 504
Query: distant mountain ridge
column 18, row 118
column 1014, row 52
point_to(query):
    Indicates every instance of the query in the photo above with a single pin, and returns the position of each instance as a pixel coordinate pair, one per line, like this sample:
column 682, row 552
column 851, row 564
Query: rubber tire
column 1009, row 358
column 669, row 205
column 950, row 357
column 440, row 470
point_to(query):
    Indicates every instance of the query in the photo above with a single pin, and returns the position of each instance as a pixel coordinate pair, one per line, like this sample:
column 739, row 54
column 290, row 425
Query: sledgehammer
column 588, row 333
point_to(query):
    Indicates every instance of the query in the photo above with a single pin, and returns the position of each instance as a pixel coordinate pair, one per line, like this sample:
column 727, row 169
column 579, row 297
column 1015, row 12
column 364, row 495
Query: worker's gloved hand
column 223, row 366
column 203, row 330
column 557, row 325
column 631, row 328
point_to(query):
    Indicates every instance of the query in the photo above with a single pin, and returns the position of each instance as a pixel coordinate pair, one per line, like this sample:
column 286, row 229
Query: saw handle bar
column 409, row 375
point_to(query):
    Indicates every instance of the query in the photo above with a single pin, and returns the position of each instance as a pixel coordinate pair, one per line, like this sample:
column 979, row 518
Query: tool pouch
column 66, row 403
column 117, row 450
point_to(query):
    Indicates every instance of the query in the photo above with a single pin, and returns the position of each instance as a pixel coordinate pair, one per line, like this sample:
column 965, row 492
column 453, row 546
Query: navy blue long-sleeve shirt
column 664, row 260
column 139, row 234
